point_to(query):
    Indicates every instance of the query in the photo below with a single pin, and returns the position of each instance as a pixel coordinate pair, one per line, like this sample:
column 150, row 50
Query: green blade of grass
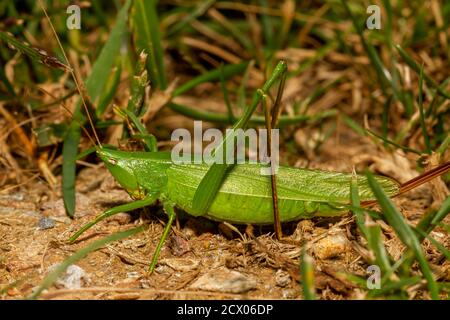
column 109, row 91
column 70, row 149
column 354, row 126
column 382, row 73
column 386, row 140
column 255, row 120
column 94, row 86
column 227, row 72
column 444, row 145
column 400, row 285
column 404, row 232
column 138, row 84
column 80, row 254
column 415, row 66
column 422, row 116
column 431, row 220
column 148, row 38
column 226, row 98
column 307, row 273
column 371, row 233
column 267, row 27
column 442, row 212
column 436, row 243
column 198, row 11
column 354, row 197
column 150, row 143
column 103, row 65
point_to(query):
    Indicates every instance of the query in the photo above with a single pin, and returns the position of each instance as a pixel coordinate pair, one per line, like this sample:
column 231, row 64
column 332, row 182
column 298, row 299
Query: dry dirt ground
column 201, row 259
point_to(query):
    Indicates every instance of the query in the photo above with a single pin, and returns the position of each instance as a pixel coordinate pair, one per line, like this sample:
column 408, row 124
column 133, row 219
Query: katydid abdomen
column 245, row 195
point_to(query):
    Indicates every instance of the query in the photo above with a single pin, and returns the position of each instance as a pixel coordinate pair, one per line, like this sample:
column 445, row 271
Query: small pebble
column 180, row 264
column 74, row 277
column 224, row 280
column 46, row 223
column 133, row 274
column 282, row 278
column 289, row 293
column 331, row 246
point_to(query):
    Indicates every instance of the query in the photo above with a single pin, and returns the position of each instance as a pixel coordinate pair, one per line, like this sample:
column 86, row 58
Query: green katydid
column 236, row 194
column 244, row 196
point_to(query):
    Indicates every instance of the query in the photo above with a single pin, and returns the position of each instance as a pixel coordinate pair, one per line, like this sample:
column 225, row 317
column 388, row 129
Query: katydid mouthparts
column 245, row 196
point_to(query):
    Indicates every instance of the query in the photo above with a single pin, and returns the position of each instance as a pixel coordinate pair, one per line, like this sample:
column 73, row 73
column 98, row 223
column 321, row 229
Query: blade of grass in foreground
column 372, row 232
column 307, row 272
column 80, row 254
column 404, row 232
column 429, row 222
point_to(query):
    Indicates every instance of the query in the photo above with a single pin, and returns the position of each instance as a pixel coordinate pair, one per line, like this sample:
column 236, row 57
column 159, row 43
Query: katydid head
column 120, row 170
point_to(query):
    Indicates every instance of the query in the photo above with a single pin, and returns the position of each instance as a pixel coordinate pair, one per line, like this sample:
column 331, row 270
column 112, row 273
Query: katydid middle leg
column 170, row 211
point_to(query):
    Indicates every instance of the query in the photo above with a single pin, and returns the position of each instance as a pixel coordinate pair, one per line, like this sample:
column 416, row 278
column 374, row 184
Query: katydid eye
column 112, row 161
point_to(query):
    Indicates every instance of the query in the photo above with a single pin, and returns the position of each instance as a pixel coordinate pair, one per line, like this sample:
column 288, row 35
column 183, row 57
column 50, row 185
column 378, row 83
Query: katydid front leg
column 148, row 200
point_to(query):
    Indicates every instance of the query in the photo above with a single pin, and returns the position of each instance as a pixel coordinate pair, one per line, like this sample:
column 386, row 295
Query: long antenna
column 424, row 178
column 72, row 73
column 415, row 182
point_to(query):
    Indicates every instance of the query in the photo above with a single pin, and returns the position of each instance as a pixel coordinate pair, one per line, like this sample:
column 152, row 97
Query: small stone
column 133, row 274
column 180, row 264
column 282, row 278
column 224, row 280
column 74, row 277
column 178, row 245
column 331, row 246
column 288, row 293
column 46, row 223
column 122, row 218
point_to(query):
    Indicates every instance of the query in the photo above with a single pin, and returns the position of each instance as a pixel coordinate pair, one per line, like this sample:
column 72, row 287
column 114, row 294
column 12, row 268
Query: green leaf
column 109, row 90
column 198, row 11
column 70, row 148
column 404, row 232
column 307, row 272
column 148, row 38
column 227, row 72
